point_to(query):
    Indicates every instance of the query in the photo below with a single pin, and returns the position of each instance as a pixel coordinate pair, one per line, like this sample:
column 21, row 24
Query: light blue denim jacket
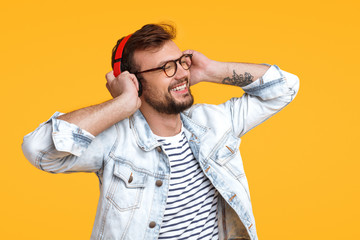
column 129, row 160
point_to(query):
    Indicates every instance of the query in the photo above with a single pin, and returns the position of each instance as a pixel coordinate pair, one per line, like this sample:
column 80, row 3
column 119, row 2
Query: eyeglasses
column 170, row 67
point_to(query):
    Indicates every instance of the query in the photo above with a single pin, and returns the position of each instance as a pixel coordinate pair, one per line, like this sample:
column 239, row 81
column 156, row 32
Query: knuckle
column 109, row 75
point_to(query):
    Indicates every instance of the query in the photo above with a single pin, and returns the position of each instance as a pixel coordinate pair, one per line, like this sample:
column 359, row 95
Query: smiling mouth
column 179, row 87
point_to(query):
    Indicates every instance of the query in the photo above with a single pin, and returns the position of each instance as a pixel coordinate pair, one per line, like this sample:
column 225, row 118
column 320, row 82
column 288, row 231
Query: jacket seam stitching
column 123, row 161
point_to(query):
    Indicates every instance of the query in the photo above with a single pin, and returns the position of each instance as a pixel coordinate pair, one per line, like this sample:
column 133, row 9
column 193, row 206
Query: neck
column 161, row 124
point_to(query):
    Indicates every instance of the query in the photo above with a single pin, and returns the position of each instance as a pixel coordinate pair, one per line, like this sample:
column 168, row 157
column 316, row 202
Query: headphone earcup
column 140, row 89
column 118, row 55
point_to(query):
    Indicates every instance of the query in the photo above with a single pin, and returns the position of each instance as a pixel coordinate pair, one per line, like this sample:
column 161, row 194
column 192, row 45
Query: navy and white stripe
column 191, row 204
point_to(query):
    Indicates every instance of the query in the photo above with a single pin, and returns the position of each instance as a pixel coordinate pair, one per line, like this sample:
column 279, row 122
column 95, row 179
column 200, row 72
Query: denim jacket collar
column 146, row 140
column 197, row 130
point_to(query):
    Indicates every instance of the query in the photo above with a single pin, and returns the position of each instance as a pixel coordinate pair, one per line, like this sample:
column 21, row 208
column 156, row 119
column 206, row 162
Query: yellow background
column 302, row 164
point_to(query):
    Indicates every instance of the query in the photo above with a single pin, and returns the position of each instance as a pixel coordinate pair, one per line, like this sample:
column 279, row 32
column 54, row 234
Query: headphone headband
column 118, row 55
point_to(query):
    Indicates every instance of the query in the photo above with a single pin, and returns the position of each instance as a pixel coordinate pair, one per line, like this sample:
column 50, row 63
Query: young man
column 167, row 169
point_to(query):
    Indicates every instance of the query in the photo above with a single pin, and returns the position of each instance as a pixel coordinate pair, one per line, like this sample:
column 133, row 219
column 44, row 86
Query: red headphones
column 117, row 60
column 118, row 56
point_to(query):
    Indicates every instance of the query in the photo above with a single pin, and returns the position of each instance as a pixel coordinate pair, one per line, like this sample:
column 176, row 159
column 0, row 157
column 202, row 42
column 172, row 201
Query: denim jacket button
column 158, row 149
column 130, row 179
column 152, row 224
column 159, row 183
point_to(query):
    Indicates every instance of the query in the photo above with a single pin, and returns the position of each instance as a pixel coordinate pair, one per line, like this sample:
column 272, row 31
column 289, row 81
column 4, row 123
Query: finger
column 188, row 51
column 138, row 103
column 110, row 76
column 124, row 73
column 135, row 81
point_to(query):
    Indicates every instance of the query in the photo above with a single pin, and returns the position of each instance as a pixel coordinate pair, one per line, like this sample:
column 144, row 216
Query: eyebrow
column 162, row 63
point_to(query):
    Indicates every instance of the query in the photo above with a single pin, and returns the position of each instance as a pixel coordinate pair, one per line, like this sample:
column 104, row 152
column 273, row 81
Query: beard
column 166, row 103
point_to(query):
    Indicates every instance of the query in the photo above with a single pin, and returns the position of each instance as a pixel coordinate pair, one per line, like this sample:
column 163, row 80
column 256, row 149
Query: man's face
column 169, row 95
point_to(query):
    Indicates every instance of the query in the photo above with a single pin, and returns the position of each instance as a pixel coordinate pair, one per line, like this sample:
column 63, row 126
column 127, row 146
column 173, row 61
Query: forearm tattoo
column 239, row 79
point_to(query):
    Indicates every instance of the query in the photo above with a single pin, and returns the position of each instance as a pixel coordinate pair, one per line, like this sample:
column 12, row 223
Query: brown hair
column 150, row 36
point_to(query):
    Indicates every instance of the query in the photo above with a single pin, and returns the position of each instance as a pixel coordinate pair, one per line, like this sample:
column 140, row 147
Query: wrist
column 128, row 104
column 215, row 71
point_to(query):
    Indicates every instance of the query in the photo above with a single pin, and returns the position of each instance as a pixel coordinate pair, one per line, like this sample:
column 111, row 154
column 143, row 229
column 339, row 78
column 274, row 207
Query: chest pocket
column 126, row 190
column 226, row 154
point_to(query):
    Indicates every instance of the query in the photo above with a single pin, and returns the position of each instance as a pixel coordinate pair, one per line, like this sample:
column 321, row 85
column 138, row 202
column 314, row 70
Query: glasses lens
column 185, row 61
column 170, row 68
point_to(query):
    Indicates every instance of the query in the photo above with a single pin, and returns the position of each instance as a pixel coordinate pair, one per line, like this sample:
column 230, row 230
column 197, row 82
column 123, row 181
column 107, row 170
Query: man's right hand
column 125, row 102
column 126, row 87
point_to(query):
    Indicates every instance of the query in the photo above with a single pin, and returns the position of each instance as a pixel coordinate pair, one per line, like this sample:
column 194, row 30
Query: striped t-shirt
column 190, row 211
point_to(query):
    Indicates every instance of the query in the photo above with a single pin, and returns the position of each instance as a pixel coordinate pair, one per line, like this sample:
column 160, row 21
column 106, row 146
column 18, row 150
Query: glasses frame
column 163, row 67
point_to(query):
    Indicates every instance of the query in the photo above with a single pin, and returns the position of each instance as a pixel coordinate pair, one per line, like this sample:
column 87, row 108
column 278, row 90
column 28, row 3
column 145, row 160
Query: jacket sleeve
column 262, row 99
column 57, row 146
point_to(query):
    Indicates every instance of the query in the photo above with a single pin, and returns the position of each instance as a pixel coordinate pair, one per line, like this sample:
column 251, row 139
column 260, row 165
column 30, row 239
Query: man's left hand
column 201, row 66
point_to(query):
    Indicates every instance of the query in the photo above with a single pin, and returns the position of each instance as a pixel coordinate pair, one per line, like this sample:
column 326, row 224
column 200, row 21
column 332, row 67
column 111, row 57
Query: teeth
column 179, row 88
